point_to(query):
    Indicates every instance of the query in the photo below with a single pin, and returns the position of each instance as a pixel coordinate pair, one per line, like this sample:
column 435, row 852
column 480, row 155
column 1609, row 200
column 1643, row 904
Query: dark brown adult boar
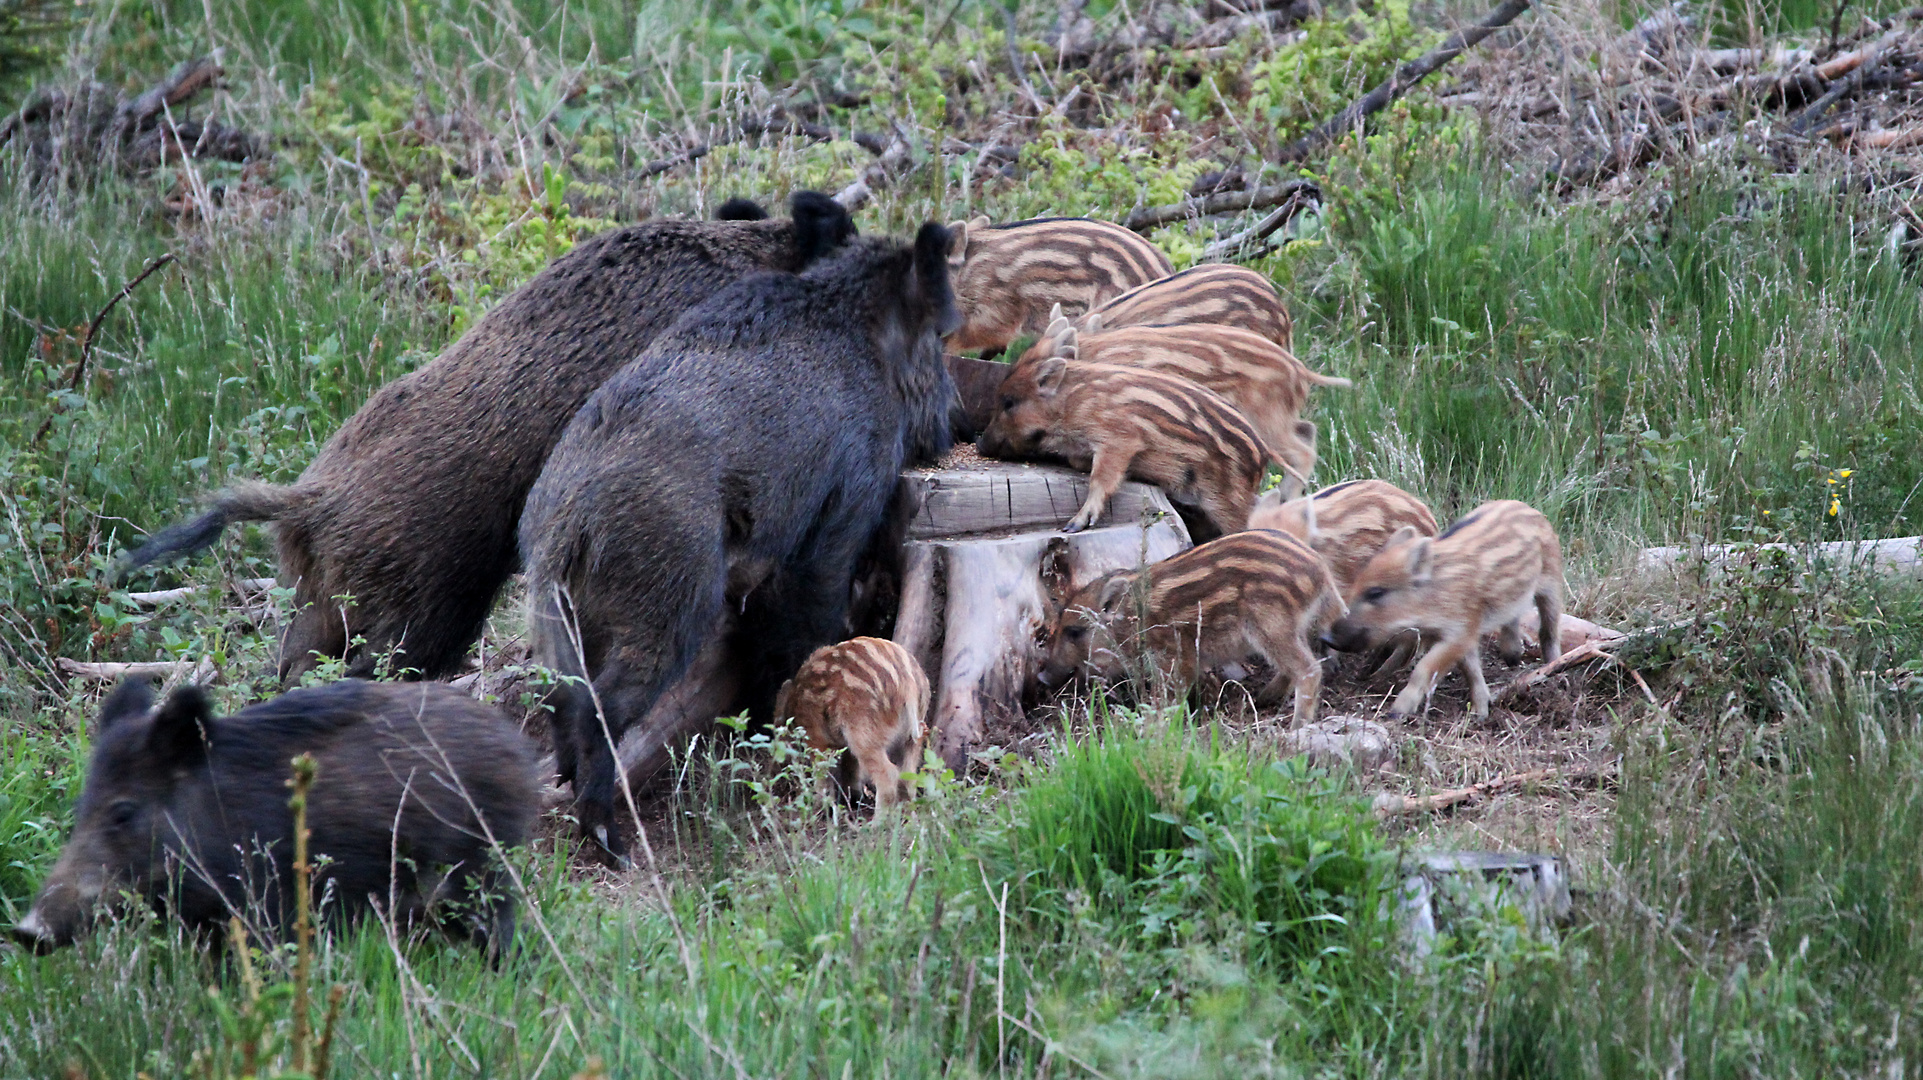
column 1482, row 573
column 1117, row 422
column 1218, row 294
column 741, row 464
column 410, row 508
column 1261, row 594
column 1008, row 276
column 418, row 790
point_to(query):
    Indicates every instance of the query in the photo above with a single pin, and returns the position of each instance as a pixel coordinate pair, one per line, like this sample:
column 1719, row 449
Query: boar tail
column 1320, row 379
column 242, row 502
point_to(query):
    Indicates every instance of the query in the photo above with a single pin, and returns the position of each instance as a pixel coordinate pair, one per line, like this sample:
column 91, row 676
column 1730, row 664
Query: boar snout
column 1346, row 636
column 33, row 934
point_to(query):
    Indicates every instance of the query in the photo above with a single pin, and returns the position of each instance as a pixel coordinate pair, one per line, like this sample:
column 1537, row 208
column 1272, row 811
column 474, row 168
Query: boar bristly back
column 188, row 810
column 411, row 506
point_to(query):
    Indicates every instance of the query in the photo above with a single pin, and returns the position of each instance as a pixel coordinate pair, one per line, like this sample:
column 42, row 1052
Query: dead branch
column 1261, row 230
column 1594, row 650
column 201, row 670
column 1225, row 202
column 1389, row 805
column 1405, row 77
column 1863, row 63
column 93, row 328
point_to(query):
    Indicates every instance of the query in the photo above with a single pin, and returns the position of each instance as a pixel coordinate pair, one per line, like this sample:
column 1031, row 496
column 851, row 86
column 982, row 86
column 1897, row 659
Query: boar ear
column 740, row 208
column 1055, row 315
column 182, row 727
column 1092, row 323
column 781, row 700
column 1113, row 591
column 957, row 244
column 1422, row 559
column 1049, row 374
column 821, row 224
column 1305, row 430
column 133, row 697
column 932, row 245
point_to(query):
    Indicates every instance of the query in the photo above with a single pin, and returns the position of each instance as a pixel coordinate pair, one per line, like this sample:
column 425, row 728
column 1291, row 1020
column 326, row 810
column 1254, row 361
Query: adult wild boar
column 742, row 463
column 189, row 811
column 410, row 508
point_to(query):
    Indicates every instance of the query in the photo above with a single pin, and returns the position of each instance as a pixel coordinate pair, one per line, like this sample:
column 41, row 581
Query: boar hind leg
column 1549, row 633
column 1105, row 473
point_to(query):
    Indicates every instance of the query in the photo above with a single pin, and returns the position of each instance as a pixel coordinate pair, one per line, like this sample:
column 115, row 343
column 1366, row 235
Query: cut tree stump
column 986, row 566
column 980, row 568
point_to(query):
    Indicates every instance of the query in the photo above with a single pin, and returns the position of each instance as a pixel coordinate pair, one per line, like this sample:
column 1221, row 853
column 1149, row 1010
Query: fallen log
column 1901, row 555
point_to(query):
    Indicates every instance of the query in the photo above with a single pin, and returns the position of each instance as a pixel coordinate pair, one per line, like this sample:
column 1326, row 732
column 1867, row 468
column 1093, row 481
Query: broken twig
column 1405, row 77
column 1225, row 202
column 1389, row 805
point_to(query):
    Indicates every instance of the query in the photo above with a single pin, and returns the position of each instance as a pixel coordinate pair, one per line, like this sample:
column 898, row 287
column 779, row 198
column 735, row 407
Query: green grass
column 1697, row 362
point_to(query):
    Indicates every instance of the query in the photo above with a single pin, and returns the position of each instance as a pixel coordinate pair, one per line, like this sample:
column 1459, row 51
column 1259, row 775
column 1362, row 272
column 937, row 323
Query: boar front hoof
column 1075, row 525
column 608, row 848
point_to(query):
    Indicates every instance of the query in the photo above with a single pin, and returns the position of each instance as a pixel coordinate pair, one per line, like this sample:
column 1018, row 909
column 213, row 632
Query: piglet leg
column 1105, row 473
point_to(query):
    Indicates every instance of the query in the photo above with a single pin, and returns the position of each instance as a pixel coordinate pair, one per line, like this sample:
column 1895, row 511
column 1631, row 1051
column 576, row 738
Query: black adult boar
column 744, row 460
column 189, row 810
column 411, row 507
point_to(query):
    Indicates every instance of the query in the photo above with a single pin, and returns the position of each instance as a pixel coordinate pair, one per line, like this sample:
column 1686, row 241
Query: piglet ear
column 1092, row 323
column 1114, row 591
column 1422, row 558
column 181, row 729
column 1049, row 375
column 781, row 700
column 957, row 244
column 1305, row 431
column 133, row 697
column 1067, row 343
column 933, row 247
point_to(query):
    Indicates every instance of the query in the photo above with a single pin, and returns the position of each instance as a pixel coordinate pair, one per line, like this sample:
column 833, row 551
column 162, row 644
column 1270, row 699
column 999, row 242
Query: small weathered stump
column 984, row 567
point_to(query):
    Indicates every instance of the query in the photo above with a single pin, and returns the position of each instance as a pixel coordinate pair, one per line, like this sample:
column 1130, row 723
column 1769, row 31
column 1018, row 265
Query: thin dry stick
column 1405, row 77
column 93, row 329
column 1442, row 800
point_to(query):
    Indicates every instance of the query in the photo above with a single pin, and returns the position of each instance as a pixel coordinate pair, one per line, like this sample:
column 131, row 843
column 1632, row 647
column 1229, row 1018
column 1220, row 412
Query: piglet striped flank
column 1213, row 293
column 865, row 695
column 1483, row 573
column 1007, row 277
column 1351, row 522
column 1119, row 422
column 1251, row 593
